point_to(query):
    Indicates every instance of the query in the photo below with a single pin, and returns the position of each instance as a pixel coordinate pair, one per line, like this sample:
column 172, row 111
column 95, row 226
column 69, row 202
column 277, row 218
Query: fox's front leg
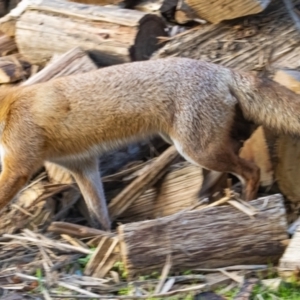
column 86, row 174
column 15, row 174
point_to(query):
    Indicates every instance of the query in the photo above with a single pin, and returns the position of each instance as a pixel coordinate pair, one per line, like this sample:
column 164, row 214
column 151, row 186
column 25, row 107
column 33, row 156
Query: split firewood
column 220, row 10
column 111, row 34
column 287, row 148
column 289, row 263
column 176, row 191
column 14, row 68
column 150, row 175
column 193, row 238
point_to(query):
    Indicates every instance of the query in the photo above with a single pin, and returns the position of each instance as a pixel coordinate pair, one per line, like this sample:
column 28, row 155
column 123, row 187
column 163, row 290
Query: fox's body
column 206, row 110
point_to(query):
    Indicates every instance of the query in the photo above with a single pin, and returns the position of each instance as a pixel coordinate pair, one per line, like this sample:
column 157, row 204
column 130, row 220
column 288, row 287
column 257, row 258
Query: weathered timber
column 207, row 238
column 110, row 34
column 217, row 11
column 14, row 68
column 176, row 191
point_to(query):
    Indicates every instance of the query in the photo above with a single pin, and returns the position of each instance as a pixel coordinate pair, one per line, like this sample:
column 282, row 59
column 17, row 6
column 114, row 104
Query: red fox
column 204, row 109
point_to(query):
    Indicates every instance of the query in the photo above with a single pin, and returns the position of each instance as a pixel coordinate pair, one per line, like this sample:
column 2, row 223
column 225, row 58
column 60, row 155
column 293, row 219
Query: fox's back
column 126, row 100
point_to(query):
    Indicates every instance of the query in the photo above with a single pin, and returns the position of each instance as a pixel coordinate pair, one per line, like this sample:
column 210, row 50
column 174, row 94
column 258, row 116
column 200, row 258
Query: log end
column 146, row 42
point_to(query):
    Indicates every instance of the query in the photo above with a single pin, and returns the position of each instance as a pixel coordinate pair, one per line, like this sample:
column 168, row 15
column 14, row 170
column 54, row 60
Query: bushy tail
column 267, row 103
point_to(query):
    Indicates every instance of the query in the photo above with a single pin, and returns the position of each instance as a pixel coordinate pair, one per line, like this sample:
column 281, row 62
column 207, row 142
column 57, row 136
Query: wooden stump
column 111, row 34
column 210, row 238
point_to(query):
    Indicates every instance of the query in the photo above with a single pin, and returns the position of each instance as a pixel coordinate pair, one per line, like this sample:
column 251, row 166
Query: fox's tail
column 267, row 103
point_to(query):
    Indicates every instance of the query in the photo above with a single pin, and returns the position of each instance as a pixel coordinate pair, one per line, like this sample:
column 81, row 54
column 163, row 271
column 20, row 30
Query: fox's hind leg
column 225, row 159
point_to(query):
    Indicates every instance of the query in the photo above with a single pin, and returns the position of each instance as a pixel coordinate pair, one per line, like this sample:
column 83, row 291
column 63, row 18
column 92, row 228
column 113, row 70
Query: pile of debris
column 164, row 223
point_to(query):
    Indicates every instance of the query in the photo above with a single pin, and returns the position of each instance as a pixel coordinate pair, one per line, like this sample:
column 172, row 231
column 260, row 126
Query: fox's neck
column 6, row 100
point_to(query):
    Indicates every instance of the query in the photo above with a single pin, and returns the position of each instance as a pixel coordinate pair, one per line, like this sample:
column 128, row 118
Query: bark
column 208, row 238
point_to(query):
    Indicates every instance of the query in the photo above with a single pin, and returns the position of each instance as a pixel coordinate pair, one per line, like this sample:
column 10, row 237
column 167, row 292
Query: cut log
column 14, row 68
column 208, row 238
column 217, row 11
column 287, row 168
column 290, row 261
column 108, row 33
column 178, row 190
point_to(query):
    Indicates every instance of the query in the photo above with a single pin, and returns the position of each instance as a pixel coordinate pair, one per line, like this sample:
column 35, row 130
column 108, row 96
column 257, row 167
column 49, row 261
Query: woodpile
column 113, row 35
column 177, row 229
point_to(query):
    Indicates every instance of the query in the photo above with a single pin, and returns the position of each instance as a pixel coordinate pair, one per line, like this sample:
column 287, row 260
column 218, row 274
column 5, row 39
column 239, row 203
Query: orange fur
column 206, row 110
